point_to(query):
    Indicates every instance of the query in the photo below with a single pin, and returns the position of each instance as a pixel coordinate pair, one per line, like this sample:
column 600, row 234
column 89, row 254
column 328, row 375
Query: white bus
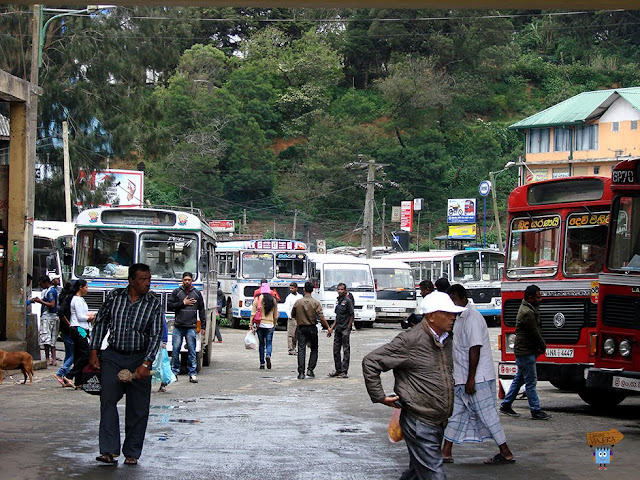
column 479, row 271
column 241, row 265
column 171, row 242
column 395, row 289
column 327, row 271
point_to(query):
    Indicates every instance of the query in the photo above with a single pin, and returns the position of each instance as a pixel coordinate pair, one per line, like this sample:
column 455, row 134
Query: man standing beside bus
column 529, row 344
column 292, row 327
column 187, row 303
column 342, row 330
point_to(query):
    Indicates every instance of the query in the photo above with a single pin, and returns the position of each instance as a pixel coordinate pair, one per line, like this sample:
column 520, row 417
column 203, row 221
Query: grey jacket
column 529, row 339
column 187, row 315
column 423, row 371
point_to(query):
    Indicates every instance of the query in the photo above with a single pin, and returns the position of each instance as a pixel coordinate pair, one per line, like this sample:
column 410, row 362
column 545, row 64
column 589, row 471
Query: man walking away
column 342, row 331
column 289, row 302
column 475, row 413
column 529, row 344
column 305, row 311
column 133, row 317
column 422, row 366
column 188, row 303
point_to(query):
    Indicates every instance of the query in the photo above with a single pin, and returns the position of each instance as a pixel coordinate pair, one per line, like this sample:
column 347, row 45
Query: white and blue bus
column 396, row 297
column 478, row 270
column 171, row 242
column 241, row 265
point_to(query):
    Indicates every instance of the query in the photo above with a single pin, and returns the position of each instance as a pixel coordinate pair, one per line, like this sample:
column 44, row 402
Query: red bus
column 556, row 240
column 616, row 373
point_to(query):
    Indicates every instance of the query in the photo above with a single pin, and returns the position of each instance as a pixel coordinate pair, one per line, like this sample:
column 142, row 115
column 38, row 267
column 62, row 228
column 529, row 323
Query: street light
column 62, row 12
column 492, row 176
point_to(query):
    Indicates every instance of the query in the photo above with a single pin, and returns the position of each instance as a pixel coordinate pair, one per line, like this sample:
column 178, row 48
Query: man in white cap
column 422, row 364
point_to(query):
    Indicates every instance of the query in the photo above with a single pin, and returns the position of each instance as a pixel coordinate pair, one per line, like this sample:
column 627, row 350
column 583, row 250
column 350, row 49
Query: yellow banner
column 462, row 230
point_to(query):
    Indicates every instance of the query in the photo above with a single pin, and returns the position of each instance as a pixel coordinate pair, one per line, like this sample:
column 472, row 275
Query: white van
column 327, row 271
column 395, row 289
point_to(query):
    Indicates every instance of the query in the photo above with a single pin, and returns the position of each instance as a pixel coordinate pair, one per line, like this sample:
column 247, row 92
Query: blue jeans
column 178, row 334
column 265, row 336
column 528, row 376
column 68, row 355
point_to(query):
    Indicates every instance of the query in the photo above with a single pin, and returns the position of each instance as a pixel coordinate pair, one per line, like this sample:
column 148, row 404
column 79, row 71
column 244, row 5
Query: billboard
column 223, row 225
column 461, row 210
column 406, row 216
column 126, row 188
column 462, row 232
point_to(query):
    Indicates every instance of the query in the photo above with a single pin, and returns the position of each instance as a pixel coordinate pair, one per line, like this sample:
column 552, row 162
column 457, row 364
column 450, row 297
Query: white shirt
column 291, row 299
column 79, row 312
column 470, row 330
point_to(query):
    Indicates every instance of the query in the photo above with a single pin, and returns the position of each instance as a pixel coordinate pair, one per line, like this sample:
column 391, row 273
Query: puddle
column 165, row 407
column 349, row 430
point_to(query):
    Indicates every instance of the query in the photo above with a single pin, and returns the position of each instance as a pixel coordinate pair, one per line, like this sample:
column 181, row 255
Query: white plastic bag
column 251, row 340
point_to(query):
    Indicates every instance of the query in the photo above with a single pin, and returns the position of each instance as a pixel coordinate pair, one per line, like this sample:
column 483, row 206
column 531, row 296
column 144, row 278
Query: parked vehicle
column 395, row 289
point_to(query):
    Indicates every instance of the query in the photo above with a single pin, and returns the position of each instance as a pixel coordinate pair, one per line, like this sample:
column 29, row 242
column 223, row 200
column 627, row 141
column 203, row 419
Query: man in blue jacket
column 187, row 303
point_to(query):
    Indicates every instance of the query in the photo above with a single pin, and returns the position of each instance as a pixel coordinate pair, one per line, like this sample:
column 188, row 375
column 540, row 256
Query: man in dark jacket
column 529, row 344
column 422, row 364
column 187, row 303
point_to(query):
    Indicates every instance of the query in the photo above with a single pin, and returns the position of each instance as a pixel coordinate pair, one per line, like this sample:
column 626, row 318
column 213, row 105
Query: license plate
column 393, row 309
column 559, row 353
column 507, row 369
column 626, row 383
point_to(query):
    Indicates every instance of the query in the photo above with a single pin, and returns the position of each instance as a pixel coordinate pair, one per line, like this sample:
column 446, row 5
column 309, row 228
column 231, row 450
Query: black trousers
column 81, row 352
column 307, row 334
column 137, row 404
column 341, row 344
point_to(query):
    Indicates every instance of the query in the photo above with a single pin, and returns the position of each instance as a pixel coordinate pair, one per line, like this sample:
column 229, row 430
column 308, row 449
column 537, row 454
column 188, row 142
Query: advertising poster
column 461, row 210
column 223, row 225
column 126, row 188
column 462, row 232
column 406, row 216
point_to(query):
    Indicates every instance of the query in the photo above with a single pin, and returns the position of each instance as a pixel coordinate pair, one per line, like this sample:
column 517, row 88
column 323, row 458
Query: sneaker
column 540, row 415
column 343, row 375
column 508, row 411
column 261, row 367
column 333, row 374
column 193, row 379
column 269, row 363
column 300, row 376
column 310, row 373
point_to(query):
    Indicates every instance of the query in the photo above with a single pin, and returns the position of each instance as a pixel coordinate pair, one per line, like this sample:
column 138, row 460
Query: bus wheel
column 358, row 324
column 601, row 399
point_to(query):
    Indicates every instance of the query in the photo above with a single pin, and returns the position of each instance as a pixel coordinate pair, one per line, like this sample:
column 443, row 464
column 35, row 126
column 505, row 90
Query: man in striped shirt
column 134, row 319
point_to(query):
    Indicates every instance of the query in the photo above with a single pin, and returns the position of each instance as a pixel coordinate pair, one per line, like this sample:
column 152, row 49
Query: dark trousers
column 137, row 404
column 81, row 351
column 307, row 334
column 341, row 342
column 423, row 442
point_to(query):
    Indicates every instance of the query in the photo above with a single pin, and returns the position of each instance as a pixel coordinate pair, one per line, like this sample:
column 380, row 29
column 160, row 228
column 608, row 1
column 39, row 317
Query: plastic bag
column 395, row 432
column 162, row 368
column 251, row 340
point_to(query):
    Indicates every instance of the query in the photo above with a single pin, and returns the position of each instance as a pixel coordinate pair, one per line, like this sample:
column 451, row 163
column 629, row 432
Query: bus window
column 585, row 243
column 257, row 265
column 533, row 248
column 624, row 251
column 169, row 255
column 290, row 265
column 466, row 267
column 492, row 265
column 96, row 249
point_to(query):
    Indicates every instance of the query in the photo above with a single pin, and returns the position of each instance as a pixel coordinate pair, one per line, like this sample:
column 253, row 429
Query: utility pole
column 295, row 220
column 367, row 232
column 35, row 44
column 274, row 228
column 384, row 209
column 244, row 221
column 66, row 172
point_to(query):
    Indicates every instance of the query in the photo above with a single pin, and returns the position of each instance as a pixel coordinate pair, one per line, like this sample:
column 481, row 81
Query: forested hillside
column 268, row 110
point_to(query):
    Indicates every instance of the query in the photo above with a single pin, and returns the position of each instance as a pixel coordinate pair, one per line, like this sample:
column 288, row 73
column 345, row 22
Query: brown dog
column 15, row 360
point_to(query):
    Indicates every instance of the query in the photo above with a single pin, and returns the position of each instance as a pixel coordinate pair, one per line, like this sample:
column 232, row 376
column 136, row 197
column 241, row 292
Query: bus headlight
column 248, row 303
column 511, row 342
column 370, row 307
column 625, row 348
column 609, row 346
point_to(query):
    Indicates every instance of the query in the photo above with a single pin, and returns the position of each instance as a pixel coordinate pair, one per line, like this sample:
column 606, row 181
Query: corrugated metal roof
column 579, row 109
column 4, row 126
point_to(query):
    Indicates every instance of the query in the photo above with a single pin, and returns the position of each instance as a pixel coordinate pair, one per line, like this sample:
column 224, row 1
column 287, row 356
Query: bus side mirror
column 51, row 263
column 203, row 264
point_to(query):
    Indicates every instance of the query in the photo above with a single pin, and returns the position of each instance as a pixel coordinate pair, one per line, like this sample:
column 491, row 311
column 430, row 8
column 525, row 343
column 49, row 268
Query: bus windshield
column 393, row 278
column 466, row 267
column 585, row 243
column 291, row 265
column 169, row 255
column 624, row 246
column 104, row 253
column 533, row 250
column 492, row 266
column 257, row 265
column 357, row 278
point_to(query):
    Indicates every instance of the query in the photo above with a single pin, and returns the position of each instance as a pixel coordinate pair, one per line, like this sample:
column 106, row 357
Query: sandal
column 447, row 460
column 130, row 461
column 59, row 379
column 68, row 383
column 108, row 458
column 498, row 459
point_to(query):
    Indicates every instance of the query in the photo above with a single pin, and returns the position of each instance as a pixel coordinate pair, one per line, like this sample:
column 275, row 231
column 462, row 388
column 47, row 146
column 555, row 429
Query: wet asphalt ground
column 240, row 422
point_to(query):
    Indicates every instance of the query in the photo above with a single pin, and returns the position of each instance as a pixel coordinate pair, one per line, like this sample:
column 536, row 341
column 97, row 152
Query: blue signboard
column 461, row 210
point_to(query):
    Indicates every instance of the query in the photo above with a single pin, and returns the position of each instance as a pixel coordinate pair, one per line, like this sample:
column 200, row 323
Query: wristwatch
column 148, row 367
